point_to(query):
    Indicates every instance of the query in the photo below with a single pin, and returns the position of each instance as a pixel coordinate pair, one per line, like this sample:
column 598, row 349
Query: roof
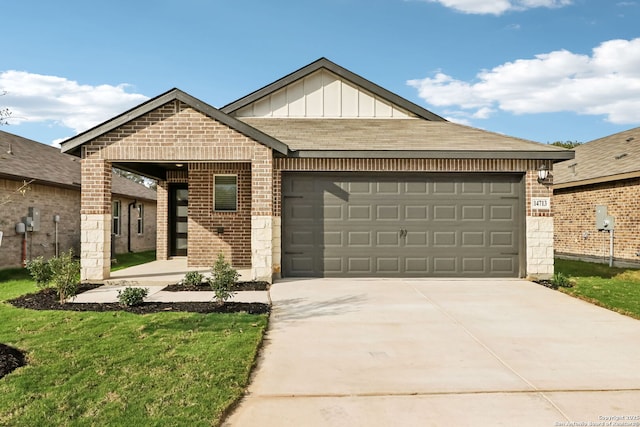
column 611, row 158
column 398, row 138
column 321, row 63
column 72, row 145
column 22, row 158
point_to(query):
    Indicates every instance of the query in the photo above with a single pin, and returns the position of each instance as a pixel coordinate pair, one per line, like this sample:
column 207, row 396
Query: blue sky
column 544, row 70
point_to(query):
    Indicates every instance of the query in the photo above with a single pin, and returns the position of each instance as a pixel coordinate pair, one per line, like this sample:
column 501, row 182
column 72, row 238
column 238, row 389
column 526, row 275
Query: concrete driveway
column 407, row 352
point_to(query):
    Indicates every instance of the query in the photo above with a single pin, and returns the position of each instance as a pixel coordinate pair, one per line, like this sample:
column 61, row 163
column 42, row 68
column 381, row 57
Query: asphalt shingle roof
column 388, row 134
column 22, row 158
column 601, row 159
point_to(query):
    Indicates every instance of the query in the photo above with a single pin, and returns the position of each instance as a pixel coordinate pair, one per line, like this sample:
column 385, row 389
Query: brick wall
column 50, row 201
column 204, row 242
column 575, row 230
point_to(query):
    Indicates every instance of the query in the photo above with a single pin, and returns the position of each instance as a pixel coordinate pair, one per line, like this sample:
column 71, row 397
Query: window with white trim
column 116, row 212
column 140, row 209
column 225, row 193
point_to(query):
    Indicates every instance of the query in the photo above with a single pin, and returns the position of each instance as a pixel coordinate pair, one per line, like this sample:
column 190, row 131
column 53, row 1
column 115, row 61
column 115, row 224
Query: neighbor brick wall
column 51, row 201
column 575, row 229
column 139, row 242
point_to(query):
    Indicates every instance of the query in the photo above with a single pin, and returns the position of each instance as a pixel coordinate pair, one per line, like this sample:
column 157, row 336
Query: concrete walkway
column 393, row 352
column 155, row 276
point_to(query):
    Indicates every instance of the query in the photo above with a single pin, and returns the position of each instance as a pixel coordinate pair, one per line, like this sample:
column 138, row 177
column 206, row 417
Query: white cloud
column 605, row 83
column 498, row 7
column 40, row 98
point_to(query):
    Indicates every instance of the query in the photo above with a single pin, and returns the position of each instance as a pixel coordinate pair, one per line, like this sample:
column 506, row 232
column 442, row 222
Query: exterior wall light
column 543, row 174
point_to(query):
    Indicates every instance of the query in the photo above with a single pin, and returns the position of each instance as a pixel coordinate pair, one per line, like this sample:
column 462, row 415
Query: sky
column 543, row 70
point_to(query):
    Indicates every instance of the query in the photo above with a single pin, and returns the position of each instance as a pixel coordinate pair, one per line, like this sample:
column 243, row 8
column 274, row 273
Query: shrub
column 192, row 278
column 65, row 275
column 131, row 297
column 224, row 277
column 561, row 280
column 40, row 271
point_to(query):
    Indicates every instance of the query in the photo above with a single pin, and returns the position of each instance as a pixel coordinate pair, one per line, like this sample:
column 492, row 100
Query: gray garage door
column 421, row 225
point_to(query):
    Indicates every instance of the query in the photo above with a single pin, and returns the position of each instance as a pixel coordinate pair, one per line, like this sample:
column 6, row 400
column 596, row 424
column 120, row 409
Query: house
column 602, row 181
column 53, row 199
column 323, row 173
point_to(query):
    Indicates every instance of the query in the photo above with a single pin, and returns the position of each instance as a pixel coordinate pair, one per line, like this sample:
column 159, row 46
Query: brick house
column 323, row 173
column 605, row 172
column 55, row 193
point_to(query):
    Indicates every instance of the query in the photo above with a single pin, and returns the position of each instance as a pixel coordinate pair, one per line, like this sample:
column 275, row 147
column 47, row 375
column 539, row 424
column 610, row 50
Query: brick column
column 262, row 214
column 162, row 221
column 539, row 230
column 95, row 220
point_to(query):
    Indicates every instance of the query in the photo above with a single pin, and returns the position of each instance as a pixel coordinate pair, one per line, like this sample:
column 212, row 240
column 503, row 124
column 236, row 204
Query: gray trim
column 340, row 71
column 426, row 154
column 72, row 146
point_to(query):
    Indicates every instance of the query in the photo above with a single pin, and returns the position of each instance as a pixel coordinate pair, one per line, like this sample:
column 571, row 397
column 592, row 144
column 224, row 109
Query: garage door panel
column 416, row 265
column 388, row 265
column 388, row 188
column 388, row 212
column 474, row 265
column 444, row 187
column 359, row 239
column 401, row 224
column 473, row 213
column 445, row 239
column 388, row 239
column 473, row 239
column 416, row 239
column 359, row 213
column 444, row 213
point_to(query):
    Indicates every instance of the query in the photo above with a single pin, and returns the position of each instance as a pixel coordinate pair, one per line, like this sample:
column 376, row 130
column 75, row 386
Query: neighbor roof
column 25, row 159
column 611, row 158
column 324, row 63
column 398, row 138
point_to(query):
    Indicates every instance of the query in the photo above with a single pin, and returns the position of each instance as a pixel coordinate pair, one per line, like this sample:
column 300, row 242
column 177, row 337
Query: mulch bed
column 254, row 285
column 10, row 359
column 47, row 299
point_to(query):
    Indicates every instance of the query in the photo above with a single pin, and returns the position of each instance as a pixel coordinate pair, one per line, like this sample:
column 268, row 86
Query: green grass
column 134, row 258
column 617, row 289
column 121, row 369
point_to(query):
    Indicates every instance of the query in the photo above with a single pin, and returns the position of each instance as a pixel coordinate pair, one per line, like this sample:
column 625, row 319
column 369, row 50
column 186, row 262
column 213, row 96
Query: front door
column 178, row 207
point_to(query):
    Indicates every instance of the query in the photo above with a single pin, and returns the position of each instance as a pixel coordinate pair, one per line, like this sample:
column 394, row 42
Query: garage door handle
column 293, row 253
column 508, row 253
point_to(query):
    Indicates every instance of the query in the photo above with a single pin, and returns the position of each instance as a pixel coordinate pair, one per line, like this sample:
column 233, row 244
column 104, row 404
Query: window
column 115, row 215
column 140, row 210
column 225, row 195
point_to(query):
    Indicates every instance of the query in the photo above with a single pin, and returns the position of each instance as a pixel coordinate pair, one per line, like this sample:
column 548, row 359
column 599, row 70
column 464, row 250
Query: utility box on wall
column 604, row 221
column 34, row 214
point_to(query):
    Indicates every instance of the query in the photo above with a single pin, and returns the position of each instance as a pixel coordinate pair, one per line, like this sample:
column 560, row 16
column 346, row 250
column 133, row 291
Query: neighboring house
column 324, row 173
column 55, row 195
column 605, row 172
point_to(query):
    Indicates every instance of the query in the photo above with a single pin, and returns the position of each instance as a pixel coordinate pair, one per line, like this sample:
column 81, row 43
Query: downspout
column 135, row 201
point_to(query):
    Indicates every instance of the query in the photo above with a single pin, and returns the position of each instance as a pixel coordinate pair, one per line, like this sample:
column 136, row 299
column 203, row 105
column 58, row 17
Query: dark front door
column 178, row 206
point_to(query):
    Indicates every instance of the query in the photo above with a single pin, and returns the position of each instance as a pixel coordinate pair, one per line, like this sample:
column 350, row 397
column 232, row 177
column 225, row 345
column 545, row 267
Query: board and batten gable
column 323, row 94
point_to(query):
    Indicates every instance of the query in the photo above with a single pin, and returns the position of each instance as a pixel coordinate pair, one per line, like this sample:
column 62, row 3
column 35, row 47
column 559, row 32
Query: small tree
column 224, row 277
column 65, row 275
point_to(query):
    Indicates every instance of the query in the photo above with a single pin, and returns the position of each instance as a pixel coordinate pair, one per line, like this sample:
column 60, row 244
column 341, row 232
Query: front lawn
column 617, row 289
column 118, row 368
column 129, row 259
